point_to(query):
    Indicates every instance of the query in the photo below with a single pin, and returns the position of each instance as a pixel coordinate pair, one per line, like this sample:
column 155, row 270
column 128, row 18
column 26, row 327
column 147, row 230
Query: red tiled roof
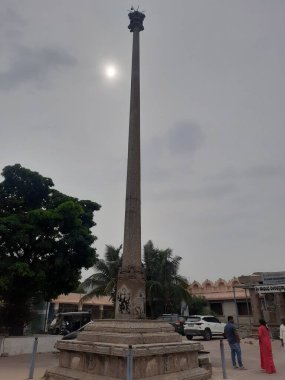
column 74, row 298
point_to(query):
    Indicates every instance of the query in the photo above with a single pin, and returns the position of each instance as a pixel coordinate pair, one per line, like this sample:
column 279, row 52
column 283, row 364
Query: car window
column 211, row 320
column 193, row 319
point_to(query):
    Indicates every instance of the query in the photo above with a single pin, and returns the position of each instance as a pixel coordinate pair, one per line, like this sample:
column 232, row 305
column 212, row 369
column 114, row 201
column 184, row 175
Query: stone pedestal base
column 101, row 352
column 130, row 302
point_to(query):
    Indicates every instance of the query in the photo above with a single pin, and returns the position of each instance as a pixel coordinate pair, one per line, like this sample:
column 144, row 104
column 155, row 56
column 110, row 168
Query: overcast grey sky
column 212, row 120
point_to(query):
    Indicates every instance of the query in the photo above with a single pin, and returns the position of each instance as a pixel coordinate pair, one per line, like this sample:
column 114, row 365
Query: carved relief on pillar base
column 103, row 361
column 130, row 298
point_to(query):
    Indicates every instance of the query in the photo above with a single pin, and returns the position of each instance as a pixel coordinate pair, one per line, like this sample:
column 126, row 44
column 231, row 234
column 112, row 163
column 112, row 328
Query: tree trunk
column 16, row 315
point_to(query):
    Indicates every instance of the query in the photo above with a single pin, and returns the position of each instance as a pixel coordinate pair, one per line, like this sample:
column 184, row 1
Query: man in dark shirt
column 232, row 336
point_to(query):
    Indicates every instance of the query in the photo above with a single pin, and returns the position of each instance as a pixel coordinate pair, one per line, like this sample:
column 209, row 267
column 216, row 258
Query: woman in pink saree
column 266, row 357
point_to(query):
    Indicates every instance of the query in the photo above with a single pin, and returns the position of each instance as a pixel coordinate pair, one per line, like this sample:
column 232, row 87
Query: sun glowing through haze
column 110, row 71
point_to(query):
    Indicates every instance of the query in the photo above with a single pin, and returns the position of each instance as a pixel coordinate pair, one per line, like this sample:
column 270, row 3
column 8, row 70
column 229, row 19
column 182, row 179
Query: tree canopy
column 45, row 241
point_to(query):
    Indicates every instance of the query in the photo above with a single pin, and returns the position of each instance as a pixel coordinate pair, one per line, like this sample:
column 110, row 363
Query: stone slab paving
column 17, row 367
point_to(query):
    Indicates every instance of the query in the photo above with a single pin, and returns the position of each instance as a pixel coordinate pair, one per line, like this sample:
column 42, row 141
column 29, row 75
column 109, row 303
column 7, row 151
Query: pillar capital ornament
column 136, row 20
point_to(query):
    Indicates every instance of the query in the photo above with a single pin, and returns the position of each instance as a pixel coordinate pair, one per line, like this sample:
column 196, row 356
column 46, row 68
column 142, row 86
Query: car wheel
column 189, row 337
column 207, row 334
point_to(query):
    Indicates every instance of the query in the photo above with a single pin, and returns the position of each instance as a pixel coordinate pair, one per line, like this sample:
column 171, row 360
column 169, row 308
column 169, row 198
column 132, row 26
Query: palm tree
column 104, row 281
column 165, row 288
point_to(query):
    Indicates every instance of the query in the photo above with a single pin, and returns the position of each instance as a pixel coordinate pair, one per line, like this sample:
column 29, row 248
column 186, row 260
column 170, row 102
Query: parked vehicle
column 176, row 321
column 206, row 326
column 73, row 334
column 65, row 323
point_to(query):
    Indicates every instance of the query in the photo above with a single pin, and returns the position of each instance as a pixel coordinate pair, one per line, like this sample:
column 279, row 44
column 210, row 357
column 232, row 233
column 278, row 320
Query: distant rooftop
column 218, row 290
column 74, row 298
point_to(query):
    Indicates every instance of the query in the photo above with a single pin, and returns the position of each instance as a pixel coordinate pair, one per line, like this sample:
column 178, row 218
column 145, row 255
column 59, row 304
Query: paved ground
column 17, row 367
column 250, row 355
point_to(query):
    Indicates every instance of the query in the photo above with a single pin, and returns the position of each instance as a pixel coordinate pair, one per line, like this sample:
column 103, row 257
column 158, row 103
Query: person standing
column 266, row 357
column 233, row 338
column 282, row 332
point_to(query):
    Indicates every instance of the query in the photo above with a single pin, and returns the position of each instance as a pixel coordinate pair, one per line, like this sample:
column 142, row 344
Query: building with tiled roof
column 100, row 307
column 224, row 297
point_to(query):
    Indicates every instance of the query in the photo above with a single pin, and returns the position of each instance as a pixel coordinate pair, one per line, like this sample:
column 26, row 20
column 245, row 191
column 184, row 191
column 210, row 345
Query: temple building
column 221, row 298
column 248, row 298
column 267, row 296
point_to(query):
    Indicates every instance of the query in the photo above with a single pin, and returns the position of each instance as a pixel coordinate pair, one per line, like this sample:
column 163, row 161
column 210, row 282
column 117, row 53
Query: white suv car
column 203, row 325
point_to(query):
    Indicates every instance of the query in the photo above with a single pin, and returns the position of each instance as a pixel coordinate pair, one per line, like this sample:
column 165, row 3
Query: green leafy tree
column 45, row 241
column 104, row 281
column 198, row 305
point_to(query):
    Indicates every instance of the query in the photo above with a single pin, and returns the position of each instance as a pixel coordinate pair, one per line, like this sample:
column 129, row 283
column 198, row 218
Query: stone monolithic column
column 130, row 299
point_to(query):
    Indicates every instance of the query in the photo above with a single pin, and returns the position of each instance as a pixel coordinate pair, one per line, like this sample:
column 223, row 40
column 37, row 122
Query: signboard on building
column 270, row 288
column 273, row 278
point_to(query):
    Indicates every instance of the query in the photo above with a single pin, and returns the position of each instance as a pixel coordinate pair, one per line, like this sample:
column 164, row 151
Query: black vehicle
column 73, row 334
column 176, row 321
column 65, row 323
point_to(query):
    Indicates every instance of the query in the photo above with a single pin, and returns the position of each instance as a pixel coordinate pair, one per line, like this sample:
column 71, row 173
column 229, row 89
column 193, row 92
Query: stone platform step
column 111, row 349
column 101, row 352
column 59, row 373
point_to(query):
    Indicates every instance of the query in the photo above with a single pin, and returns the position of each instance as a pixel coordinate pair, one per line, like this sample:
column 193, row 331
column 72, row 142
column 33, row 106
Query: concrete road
column 17, row 367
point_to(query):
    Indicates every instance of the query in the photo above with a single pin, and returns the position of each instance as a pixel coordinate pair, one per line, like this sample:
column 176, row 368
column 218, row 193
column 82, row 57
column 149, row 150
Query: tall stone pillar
column 255, row 306
column 130, row 300
column 103, row 347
